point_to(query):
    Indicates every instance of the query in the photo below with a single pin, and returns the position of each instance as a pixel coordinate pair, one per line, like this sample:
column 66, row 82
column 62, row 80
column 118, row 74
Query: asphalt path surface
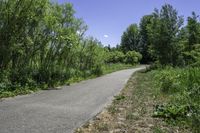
column 63, row 110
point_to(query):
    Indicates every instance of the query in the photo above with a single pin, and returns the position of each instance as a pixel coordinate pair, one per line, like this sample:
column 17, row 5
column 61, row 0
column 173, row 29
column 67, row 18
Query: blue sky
column 107, row 19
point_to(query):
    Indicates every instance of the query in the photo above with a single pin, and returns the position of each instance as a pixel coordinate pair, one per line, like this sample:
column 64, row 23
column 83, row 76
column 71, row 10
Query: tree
column 19, row 22
column 163, row 35
column 41, row 41
column 144, row 40
column 193, row 28
column 130, row 39
column 92, row 56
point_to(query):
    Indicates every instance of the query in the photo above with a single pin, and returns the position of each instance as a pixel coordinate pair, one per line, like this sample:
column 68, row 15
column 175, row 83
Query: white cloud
column 106, row 36
column 78, row 32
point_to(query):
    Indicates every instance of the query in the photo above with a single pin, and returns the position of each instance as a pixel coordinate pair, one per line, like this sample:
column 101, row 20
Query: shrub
column 192, row 57
column 115, row 57
column 132, row 57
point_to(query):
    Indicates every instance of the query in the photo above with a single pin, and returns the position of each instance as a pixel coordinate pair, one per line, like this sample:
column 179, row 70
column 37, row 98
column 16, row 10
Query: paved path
column 61, row 111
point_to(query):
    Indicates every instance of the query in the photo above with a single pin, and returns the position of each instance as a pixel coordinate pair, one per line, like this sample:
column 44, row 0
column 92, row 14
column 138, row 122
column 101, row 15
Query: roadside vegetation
column 42, row 45
column 165, row 98
column 182, row 89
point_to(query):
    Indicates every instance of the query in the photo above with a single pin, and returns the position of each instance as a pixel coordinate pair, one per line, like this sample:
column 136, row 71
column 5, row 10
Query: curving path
column 61, row 111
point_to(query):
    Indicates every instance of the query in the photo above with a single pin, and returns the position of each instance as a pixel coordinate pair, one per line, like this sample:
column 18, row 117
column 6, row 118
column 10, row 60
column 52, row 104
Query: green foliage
column 192, row 57
column 193, row 28
column 108, row 68
column 92, row 56
column 162, row 38
column 115, row 57
column 182, row 86
column 130, row 39
column 144, row 38
column 163, row 35
column 171, row 111
column 132, row 57
column 42, row 45
column 175, row 47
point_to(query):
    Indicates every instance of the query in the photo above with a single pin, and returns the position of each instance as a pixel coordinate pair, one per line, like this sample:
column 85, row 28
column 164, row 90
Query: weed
column 102, row 127
column 112, row 109
column 158, row 130
column 119, row 97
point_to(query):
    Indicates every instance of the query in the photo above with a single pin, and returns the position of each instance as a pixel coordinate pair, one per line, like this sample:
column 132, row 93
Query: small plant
column 133, row 57
column 119, row 97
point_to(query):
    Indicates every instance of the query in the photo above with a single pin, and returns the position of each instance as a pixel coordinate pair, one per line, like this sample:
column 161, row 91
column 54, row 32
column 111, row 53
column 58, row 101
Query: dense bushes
column 115, row 57
column 131, row 57
column 183, row 87
column 92, row 57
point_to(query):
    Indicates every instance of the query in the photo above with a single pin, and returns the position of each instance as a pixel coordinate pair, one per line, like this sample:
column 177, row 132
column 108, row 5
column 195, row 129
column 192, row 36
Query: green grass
column 19, row 90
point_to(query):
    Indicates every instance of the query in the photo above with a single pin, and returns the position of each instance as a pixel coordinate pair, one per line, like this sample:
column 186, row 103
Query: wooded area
column 163, row 37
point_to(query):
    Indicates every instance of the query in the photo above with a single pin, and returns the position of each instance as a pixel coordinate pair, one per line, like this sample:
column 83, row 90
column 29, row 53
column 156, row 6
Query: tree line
column 163, row 38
